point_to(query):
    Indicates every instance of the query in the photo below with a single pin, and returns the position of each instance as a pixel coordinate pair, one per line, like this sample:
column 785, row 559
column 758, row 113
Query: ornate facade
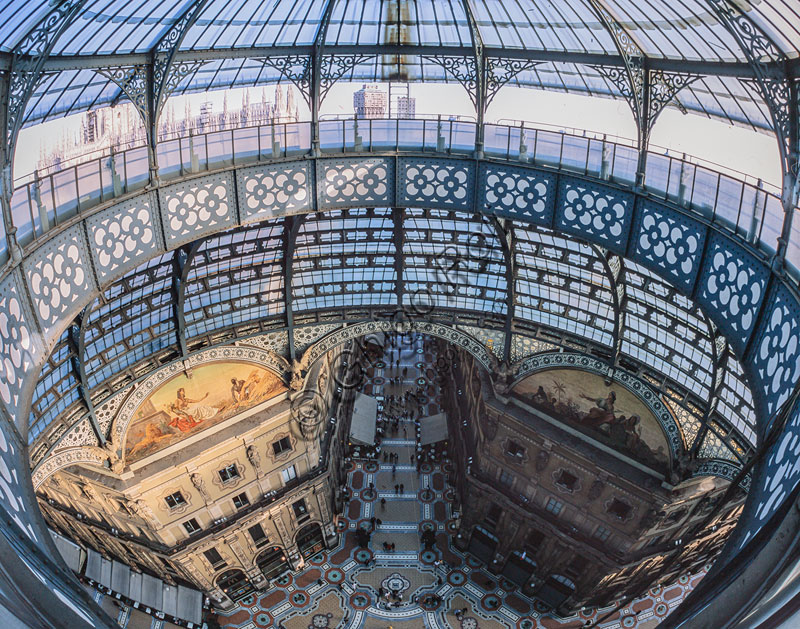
column 556, row 508
column 227, row 508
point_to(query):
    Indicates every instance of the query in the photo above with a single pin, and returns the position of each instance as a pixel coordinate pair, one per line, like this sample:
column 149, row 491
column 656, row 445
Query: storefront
column 519, row 568
column 272, row 562
column 482, row 545
column 310, row 540
column 235, row 584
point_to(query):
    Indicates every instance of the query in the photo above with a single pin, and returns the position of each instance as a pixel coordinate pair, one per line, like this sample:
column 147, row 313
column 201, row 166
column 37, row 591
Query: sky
column 755, row 154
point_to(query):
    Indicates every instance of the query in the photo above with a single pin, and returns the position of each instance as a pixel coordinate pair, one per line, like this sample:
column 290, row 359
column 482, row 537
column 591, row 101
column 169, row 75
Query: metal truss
column 181, row 263
column 77, row 342
column 24, row 73
column 398, row 214
column 614, row 267
column 291, row 227
column 719, row 358
column 505, row 233
column 317, row 73
column 773, row 82
column 647, row 91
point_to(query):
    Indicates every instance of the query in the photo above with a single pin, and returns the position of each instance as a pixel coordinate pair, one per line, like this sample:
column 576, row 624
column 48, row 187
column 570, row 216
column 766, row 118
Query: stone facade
column 257, row 496
column 571, row 523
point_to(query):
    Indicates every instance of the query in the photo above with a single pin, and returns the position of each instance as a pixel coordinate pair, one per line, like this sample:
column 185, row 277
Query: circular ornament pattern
column 456, row 578
column 320, row 621
column 428, row 557
column 371, row 467
column 359, row 600
column 284, row 580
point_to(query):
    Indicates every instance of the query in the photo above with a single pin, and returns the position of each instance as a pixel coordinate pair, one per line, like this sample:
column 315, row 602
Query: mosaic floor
column 337, row 589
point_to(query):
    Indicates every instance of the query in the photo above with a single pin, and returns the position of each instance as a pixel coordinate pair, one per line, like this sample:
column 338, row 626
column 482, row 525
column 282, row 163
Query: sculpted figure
column 254, row 457
column 199, row 485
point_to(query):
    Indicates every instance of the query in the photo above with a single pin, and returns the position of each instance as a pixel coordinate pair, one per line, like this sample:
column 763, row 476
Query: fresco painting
column 612, row 415
column 184, row 406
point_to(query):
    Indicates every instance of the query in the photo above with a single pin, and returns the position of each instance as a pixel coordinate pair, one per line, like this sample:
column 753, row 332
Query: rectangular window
column 493, row 516
column 534, row 541
column 602, row 533
column 619, row 509
column 191, row 526
column 567, row 481
column 515, row 450
column 506, row 478
column 257, row 535
column 228, row 473
column 300, row 510
column 554, row 506
column 175, row 500
column 289, row 474
column 281, row 445
column 214, row 558
column 241, row 501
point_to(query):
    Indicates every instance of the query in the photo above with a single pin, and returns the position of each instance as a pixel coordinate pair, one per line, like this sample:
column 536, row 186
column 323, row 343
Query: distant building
column 206, row 110
column 121, row 126
column 370, row 102
column 406, row 107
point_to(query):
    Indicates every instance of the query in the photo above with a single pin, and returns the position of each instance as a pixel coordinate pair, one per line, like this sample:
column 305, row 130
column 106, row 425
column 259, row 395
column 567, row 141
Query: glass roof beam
column 181, row 265
column 165, row 74
column 398, row 215
column 479, row 84
column 736, row 69
column 77, row 342
column 505, row 234
column 614, row 267
column 291, row 227
column 719, row 361
column 316, row 86
column 646, row 91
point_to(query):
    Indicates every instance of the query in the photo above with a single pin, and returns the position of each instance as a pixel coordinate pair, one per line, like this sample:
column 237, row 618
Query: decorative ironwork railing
column 747, row 209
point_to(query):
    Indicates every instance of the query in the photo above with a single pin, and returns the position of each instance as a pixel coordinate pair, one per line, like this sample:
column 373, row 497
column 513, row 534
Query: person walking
column 383, row 504
column 397, row 490
column 402, row 487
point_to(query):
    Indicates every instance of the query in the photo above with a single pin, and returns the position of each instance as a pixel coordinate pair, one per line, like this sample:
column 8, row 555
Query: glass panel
column 89, row 187
column 65, row 189
column 169, row 158
column 22, row 215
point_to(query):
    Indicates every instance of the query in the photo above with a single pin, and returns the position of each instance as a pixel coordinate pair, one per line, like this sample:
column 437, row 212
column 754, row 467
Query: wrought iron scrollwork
column 619, row 77
column 631, row 54
column 166, row 74
column 462, row 69
column 295, row 68
column 29, row 56
column 663, row 88
column 771, row 82
column 501, row 71
column 334, row 67
column 132, row 80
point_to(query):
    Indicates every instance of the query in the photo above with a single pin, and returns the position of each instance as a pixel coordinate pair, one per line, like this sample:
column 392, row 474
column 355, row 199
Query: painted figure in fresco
column 243, row 390
column 602, row 412
column 188, row 412
column 152, row 436
column 238, row 392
